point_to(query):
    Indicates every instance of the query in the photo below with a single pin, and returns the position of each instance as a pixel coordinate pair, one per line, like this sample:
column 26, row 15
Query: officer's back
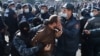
column 92, row 30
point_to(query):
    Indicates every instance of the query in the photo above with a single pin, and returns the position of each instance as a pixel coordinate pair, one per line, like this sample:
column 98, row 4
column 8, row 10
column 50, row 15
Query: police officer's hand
column 47, row 47
column 87, row 32
column 59, row 33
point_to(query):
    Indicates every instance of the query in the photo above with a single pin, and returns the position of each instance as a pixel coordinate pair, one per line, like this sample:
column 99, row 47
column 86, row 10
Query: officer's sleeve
column 89, row 25
column 22, row 49
column 73, row 32
column 95, row 33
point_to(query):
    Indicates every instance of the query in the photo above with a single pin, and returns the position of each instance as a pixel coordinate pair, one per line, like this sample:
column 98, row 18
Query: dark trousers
column 2, row 50
column 93, row 49
column 2, row 44
column 84, row 48
column 11, row 36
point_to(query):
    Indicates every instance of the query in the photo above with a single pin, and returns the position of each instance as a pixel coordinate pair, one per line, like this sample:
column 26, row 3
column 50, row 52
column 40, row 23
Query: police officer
column 92, row 30
column 68, row 43
column 85, row 15
column 52, row 10
column 22, row 41
column 37, row 21
column 2, row 32
column 26, row 13
column 44, row 14
column 11, row 20
column 18, row 8
column 12, row 23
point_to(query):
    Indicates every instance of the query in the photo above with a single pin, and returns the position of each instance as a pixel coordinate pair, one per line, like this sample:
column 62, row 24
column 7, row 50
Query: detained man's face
column 53, row 25
column 58, row 22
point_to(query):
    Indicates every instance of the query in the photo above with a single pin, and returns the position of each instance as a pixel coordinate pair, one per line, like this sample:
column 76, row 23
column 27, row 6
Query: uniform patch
column 77, row 26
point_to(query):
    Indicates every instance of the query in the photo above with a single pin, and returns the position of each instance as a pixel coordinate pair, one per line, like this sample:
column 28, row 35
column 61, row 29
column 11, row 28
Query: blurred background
column 42, row 1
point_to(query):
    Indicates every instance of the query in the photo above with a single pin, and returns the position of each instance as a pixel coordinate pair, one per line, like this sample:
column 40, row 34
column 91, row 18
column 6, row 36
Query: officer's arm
column 22, row 49
column 95, row 33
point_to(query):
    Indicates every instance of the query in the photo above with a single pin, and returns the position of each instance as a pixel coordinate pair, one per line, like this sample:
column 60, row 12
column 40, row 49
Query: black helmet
column 24, row 5
column 43, row 5
column 37, row 21
column 18, row 6
column 24, row 27
column 5, row 5
column 11, row 3
column 30, row 7
column 85, row 12
column 51, row 10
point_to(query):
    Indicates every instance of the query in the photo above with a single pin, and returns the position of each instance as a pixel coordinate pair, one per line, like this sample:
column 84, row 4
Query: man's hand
column 47, row 47
column 87, row 32
column 58, row 34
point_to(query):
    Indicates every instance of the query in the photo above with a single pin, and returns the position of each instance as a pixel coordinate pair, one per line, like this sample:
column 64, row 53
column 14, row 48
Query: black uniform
column 12, row 22
column 85, row 16
column 68, row 43
column 2, row 38
column 22, row 41
column 94, row 37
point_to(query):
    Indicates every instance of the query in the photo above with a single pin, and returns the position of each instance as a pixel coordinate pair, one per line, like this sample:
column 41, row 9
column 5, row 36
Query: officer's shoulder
column 75, row 21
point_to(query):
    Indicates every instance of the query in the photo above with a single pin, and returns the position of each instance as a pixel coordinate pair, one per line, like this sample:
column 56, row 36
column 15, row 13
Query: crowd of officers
column 41, row 31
